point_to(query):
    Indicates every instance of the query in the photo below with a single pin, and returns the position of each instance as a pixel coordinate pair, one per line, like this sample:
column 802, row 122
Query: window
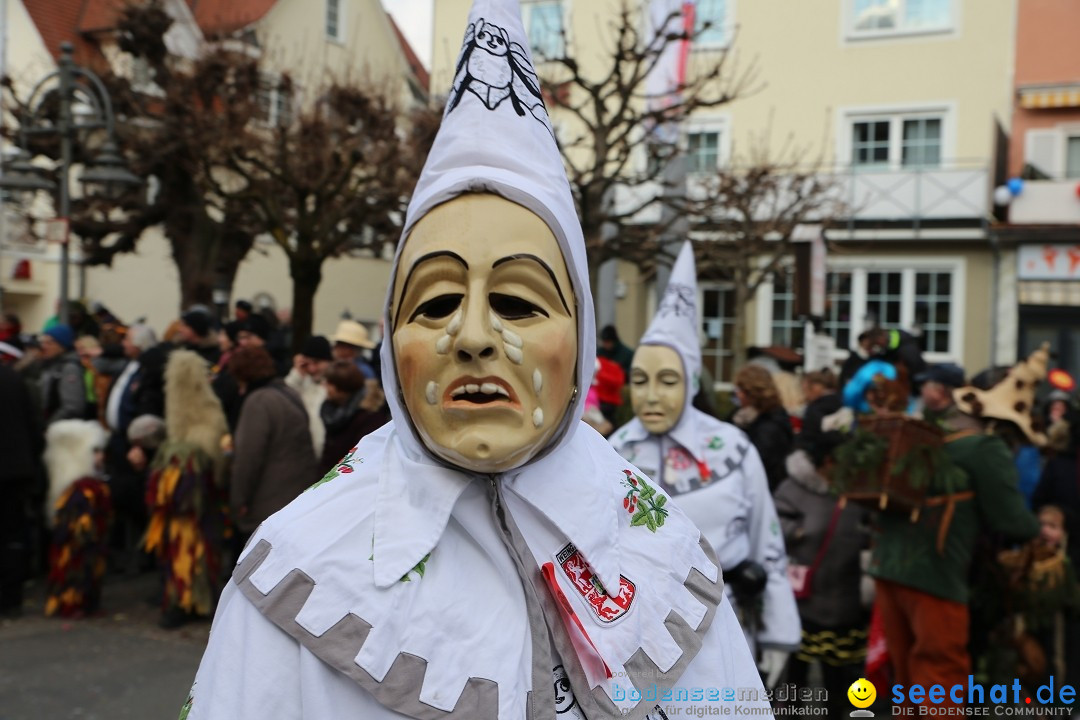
column 715, row 13
column 838, row 302
column 933, row 309
column 921, row 143
column 883, row 17
column 787, row 328
column 910, row 141
column 884, row 296
column 333, row 19
column 1072, row 157
column 703, row 152
column 926, row 299
column 718, row 324
column 870, row 142
column 275, row 101
column 544, row 27
column 1053, row 152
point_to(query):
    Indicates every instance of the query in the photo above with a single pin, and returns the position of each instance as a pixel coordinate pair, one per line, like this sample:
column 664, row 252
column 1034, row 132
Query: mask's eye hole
column 437, row 307
column 509, row 307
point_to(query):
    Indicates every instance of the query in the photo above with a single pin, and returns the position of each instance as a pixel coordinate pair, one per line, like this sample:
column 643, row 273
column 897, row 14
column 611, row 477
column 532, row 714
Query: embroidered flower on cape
column 642, row 502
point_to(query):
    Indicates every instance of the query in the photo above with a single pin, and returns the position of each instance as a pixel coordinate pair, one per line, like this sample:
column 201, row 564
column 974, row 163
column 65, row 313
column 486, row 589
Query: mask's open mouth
column 480, row 391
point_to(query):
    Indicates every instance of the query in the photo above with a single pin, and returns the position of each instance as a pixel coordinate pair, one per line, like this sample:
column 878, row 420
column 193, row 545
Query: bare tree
column 334, row 179
column 165, row 128
column 616, row 136
column 744, row 219
column 230, row 165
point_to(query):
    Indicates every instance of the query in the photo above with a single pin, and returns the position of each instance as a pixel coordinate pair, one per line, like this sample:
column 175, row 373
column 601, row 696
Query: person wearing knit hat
column 710, row 467
column 485, row 554
column 62, row 383
column 922, row 568
column 306, row 378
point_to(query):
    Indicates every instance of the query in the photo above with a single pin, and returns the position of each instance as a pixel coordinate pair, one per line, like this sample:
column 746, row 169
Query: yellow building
column 314, row 41
column 908, row 102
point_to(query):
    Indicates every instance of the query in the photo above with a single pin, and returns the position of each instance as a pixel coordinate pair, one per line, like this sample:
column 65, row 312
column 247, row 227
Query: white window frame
column 722, row 286
column 726, row 25
column 896, row 115
column 526, row 19
column 720, row 124
column 339, row 36
column 273, row 82
column 859, row 266
column 851, row 33
column 1059, row 135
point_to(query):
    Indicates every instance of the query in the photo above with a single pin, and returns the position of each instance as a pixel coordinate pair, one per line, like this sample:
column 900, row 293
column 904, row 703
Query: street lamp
column 106, row 174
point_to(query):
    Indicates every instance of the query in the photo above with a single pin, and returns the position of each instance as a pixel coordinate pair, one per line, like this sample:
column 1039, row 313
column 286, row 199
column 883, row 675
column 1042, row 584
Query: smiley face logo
column 862, row 693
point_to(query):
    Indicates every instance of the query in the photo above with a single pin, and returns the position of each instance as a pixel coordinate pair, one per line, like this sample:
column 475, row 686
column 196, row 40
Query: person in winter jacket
column 62, row 383
column 764, row 420
column 922, row 568
column 272, row 461
column 824, row 539
column 354, row 407
column 306, row 378
column 21, row 444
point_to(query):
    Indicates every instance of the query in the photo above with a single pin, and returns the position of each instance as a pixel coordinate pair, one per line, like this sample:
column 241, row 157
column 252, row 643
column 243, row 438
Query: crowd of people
column 129, row 453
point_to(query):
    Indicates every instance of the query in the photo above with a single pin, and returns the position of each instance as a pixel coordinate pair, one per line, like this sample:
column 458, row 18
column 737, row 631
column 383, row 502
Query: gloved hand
column 772, row 664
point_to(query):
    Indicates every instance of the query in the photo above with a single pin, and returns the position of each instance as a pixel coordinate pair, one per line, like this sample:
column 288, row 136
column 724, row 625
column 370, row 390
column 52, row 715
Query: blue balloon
column 854, row 393
column 1015, row 185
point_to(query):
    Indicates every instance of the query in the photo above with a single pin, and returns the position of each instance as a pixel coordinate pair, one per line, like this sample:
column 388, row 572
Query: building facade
column 907, row 102
column 1041, row 242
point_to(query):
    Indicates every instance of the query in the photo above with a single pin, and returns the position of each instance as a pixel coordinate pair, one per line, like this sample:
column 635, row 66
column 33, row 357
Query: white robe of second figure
column 710, row 469
column 722, row 487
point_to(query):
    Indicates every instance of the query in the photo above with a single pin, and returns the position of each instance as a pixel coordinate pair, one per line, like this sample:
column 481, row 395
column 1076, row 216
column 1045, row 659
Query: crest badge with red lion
column 607, row 609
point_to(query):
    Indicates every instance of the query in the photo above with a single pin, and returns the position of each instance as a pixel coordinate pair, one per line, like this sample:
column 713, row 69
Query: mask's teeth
column 472, row 388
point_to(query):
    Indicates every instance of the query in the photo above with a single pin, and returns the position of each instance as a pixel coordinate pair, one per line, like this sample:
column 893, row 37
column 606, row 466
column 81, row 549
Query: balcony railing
column 959, row 191
column 1047, row 202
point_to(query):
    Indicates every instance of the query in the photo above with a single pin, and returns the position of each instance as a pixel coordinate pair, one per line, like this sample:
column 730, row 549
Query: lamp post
column 107, row 170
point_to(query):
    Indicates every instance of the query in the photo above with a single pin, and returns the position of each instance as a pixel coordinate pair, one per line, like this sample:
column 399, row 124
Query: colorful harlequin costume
column 185, row 494
column 82, row 507
column 414, row 587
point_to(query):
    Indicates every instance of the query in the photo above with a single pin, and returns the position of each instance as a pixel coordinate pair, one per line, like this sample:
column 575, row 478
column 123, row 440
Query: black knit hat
column 198, row 321
column 316, row 347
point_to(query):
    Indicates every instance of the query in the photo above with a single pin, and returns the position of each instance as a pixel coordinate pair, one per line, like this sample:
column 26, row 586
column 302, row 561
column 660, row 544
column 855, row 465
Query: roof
column 219, row 17
column 57, row 21
column 417, row 67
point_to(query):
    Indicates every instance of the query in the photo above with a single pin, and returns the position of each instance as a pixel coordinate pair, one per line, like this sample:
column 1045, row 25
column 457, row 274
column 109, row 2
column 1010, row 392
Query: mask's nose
column 477, row 339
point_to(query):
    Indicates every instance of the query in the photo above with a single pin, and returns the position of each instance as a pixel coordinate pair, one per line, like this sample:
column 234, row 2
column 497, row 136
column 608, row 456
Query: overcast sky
column 414, row 19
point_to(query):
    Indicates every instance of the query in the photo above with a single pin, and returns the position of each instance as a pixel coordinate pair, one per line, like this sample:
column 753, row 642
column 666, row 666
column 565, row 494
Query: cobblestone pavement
column 117, row 666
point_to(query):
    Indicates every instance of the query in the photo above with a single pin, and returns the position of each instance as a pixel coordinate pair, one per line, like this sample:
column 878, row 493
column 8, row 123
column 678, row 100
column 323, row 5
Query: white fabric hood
column 496, row 138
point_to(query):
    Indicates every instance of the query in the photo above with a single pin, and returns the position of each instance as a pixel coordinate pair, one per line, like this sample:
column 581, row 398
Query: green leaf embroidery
column 642, row 502
column 418, row 568
column 716, row 443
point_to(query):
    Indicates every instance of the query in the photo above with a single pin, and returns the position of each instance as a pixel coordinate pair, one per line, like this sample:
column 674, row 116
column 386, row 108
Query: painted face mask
column 484, row 332
column 657, row 387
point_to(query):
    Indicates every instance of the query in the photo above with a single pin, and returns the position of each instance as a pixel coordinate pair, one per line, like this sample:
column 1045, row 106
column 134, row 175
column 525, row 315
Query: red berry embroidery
column 345, row 469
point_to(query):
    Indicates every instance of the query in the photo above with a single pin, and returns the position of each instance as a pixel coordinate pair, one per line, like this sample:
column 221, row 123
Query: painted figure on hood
column 710, row 469
column 486, row 554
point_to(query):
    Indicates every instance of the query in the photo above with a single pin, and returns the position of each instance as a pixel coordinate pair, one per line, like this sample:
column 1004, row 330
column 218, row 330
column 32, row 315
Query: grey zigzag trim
column 339, row 645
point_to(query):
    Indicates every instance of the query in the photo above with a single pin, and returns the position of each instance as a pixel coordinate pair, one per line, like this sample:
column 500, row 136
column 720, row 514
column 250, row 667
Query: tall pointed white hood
column 496, row 138
column 675, row 325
